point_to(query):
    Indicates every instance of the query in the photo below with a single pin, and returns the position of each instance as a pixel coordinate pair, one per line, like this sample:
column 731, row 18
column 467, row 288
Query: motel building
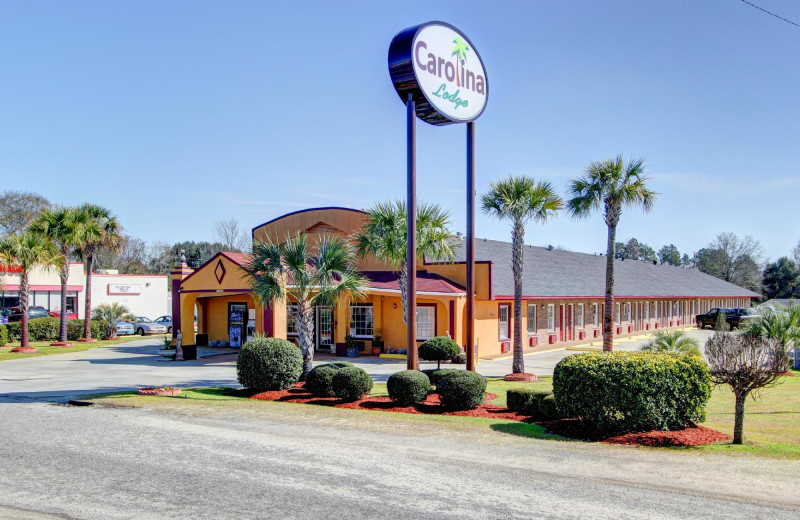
column 144, row 295
column 563, row 294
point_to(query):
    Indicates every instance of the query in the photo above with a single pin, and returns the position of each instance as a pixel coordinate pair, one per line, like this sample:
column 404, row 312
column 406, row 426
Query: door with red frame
column 570, row 315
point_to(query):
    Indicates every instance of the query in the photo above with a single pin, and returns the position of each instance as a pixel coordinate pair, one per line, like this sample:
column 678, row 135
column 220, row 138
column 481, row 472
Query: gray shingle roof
column 564, row 273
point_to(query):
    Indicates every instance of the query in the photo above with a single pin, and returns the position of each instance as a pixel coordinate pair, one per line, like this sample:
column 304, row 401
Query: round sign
column 441, row 69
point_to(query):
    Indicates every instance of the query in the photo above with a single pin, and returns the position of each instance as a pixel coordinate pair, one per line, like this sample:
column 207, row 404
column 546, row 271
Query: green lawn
column 771, row 423
column 44, row 348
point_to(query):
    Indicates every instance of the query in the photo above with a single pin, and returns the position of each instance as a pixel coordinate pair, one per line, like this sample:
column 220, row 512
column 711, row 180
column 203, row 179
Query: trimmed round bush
column 435, row 375
column 548, row 408
column 75, row 329
column 440, row 348
column 351, row 383
column 633, row 391
column 269, row 364
column 526, row 401
column 462, row 390
column 408, row 387
column 3, row 336
column 340, row 364
column 319, row 380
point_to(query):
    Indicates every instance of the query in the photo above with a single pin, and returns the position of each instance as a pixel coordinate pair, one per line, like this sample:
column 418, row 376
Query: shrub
column 527, row 401
column 435, row 375
column 351, row 383
column 269, row 364
column 319, row 380
column 14, row 331
column 440, row 348
column 632, row 391
column 461, row 390
column 42, row 329
column 408, row 387
column 3, row 336
column 460, row 359
column 75, row 329
column 341, row 364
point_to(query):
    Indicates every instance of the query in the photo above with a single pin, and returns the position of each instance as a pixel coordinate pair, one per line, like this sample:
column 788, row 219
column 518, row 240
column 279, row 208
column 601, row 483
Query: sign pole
column 411, row 237
column 470, row 339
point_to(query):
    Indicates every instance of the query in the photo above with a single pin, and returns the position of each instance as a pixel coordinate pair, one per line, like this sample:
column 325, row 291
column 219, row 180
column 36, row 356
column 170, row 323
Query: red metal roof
column 237, row 258
column 426, row 282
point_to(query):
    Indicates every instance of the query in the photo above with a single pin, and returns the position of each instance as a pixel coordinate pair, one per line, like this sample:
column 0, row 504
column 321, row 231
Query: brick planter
column 159, row 391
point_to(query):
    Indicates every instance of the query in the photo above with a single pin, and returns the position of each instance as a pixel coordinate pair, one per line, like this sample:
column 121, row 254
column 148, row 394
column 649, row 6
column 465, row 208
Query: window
column 580, row 316
column 291, row 320
column 531, row 318
column 502, row 314
column 426, row 322
column 551, row 318
column 627, row 311
column 594, row 315
column 646, row 311
column 361, row 321
column 617, row 312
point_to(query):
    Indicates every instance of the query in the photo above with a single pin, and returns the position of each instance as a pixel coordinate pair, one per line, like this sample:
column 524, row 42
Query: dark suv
column 34, row 311
column 733, row 317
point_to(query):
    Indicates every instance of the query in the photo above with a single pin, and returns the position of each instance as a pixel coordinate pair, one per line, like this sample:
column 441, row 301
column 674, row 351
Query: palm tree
column 28, row 250
column 780, row 325
column 520, row 200
column 384, row 236
column 63, row 227
column 109, row 314
column 460, row 52
column 306, row 275
column 100, row 229
column 672, row 341
column 611, row 185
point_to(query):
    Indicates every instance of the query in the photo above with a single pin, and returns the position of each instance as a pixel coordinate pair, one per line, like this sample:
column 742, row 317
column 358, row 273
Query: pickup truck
column 734, row 317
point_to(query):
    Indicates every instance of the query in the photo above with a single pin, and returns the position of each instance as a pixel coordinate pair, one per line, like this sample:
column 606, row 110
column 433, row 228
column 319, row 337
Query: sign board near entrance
column 120, row 288
column 439, row 66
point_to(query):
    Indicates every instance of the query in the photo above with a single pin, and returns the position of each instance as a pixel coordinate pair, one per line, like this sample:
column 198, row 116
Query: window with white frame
column 426, row 322
column 503, row 322
column 595, row 317
column 551, row 318
column 291, row 320
column 361, row 321
column 646, row 311
column 580, row 316
column 627, row 311
column 617, row 312
column 531, row 318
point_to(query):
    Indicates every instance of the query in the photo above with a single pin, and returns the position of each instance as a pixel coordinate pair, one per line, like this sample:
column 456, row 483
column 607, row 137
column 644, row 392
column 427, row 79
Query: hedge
column 269, row 364
column 408, row 387
column 440, row 348
column 435, row 375
column 39, row 329
column 633, row 391
column 75, row 329
column 539, row 404
column 3, row 336
column 461, row 390
column 319, row 380
column 351, row 383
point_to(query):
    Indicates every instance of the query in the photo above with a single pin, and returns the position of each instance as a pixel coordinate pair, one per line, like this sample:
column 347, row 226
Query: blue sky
column 177, row 114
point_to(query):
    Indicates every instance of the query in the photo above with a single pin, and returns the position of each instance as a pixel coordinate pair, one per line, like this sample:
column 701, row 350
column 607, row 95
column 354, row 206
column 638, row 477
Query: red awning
column 70, row 288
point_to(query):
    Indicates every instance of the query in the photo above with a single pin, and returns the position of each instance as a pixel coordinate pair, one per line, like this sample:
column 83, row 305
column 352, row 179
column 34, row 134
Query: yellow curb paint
column 528, row 354
column 393, row 356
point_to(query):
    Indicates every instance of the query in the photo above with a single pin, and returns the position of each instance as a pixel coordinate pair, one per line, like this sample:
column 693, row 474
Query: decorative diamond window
column 219, row 271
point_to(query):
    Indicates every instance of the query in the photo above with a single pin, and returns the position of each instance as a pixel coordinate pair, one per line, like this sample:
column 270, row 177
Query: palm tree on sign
column 28, row 250
column 385, row 234
column 672, row 341
column 305, row 275
column 611, row 185
column 109, row 314
column 460, row 52
column 100, row 229
column 63, row 226
column 520, row 200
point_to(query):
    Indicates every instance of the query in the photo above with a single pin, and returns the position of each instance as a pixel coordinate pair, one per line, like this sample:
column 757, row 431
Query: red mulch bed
column 571, row 428
column 788, row 374
column 521, row 377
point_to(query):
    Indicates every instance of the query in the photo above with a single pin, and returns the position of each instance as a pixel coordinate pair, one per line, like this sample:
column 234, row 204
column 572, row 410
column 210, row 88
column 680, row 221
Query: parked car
column 125, row 329
column 56, row 314
column 165, row 321
column 145, row 325
column 734, row 317
column 34, row 311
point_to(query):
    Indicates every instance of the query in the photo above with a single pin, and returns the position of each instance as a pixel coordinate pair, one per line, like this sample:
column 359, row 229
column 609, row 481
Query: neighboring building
column 782, row 303
column 144, row 295
column 563, row 295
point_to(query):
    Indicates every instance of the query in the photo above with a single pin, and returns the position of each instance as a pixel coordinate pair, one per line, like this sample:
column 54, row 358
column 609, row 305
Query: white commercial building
column 145, row 295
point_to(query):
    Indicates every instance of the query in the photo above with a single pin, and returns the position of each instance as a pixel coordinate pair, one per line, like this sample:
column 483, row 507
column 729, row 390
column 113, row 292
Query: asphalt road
column 286, row 461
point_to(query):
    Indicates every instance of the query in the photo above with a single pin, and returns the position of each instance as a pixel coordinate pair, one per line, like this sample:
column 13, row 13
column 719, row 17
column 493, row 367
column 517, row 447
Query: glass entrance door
column 237, row 323
column 324, row 328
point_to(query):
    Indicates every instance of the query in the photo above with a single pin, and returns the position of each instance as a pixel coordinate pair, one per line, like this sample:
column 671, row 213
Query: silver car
column 147, row 326
column 124, row 328
column 165, row 321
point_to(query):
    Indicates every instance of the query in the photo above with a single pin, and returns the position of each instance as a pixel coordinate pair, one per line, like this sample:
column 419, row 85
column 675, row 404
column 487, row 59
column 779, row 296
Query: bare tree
column 746, row 363
column 233, row 237
column 796, row 253
column 733, row 259
column 18, row 209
